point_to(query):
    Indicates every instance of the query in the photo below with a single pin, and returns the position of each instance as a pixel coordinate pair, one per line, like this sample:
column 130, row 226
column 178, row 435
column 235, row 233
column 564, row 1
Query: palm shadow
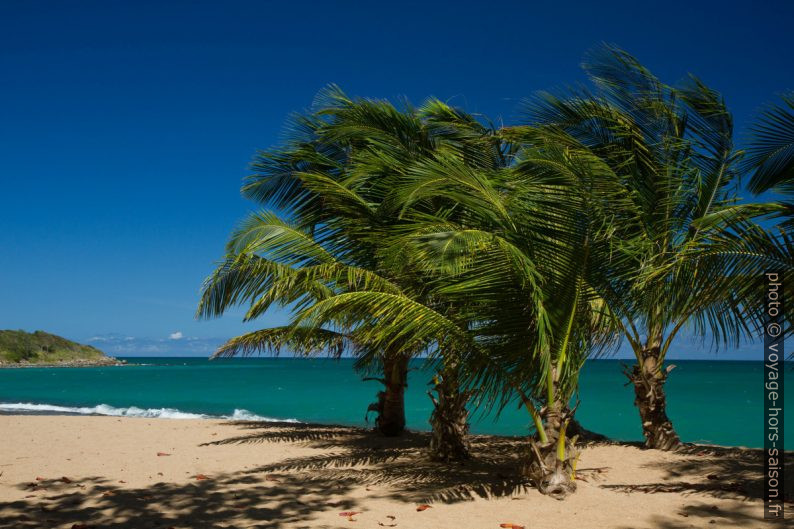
column 356, row 456
column 721, row 472
column 214, row 503
column 291, row 492
column 748, row 515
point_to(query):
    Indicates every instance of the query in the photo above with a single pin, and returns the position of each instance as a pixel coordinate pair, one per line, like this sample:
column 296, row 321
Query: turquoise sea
column 709, row 401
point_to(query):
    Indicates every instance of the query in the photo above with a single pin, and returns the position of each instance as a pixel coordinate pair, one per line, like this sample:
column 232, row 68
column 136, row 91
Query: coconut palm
column 335, row 178
column 673, row 152
column 445, row 239
column 520, row 252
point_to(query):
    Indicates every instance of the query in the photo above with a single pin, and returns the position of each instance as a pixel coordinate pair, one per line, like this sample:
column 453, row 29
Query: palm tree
column 335, row 177
column 519, row 253
column 458, row 243
column 271, row 261
column 673, row 152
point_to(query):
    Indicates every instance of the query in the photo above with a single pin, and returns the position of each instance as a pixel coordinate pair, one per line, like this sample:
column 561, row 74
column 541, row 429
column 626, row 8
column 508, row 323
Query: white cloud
column 175, row 335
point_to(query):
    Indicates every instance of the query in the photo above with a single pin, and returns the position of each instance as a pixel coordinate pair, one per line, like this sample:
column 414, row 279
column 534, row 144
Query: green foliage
column 672, row 150
column 42, row 348
column 513, row 254
column 771, row 155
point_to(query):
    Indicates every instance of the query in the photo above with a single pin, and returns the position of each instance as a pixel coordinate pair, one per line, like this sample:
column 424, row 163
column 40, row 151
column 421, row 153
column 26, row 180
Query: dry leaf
column 349, row 513
column 161, row 454
column 423, row 507
column 201, row 477
column 511, row 526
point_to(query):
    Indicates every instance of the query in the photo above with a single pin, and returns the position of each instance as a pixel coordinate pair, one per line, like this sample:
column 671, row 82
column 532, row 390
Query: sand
column 105, row 472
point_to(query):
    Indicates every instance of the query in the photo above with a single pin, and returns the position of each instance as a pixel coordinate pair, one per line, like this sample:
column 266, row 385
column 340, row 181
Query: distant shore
column 137, row 472
column 108, row 362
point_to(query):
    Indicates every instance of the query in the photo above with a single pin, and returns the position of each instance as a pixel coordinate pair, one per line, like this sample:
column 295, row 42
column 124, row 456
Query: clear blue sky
column 126, row 127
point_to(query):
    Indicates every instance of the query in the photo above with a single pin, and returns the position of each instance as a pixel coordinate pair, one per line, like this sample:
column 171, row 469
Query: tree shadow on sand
column 716, row 471
column 290, row 493
column 340, row 461
column 218, row 502
column 400, row 465
column 748, row 515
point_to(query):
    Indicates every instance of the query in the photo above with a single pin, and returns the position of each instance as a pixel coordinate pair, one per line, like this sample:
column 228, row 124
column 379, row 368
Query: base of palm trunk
column 449, row 438
column 552, row 476
column 651, row 401
column 552, row 459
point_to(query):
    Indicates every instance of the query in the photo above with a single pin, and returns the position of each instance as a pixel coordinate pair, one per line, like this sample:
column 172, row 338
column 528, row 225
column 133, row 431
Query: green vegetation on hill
column 44, row 348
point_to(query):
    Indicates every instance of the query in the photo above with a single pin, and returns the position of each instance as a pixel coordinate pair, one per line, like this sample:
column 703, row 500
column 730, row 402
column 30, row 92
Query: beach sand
column 105, row 472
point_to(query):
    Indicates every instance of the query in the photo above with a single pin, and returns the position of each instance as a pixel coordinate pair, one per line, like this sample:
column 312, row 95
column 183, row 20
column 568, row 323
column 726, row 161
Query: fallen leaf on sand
column 65, row 479
column 387, row 524
column 162, row 454
column 200, row 477
column 122, row 481
column 39, row 479
column 390, row 517
column 423, row 507
column 511, row 526
column 108, row 493
column 349, row 513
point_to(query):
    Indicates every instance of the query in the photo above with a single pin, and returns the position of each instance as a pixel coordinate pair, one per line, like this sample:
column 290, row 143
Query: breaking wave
column 132, row 411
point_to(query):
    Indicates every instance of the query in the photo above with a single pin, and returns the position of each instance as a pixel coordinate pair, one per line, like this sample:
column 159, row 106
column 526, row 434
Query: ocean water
column 709, row 401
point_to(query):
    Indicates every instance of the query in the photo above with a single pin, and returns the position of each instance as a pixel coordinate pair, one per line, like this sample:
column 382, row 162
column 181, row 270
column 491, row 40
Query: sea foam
column 132, row 411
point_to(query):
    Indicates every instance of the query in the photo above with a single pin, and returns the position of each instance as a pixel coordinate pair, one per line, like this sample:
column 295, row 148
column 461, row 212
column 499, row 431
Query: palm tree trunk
column 552, row 460
column 449, row 420
column 391, row 401
column 649, row 397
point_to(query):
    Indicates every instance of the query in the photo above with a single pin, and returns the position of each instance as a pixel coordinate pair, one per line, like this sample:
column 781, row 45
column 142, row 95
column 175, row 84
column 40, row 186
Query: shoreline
column 114, row 362
column 123, row 473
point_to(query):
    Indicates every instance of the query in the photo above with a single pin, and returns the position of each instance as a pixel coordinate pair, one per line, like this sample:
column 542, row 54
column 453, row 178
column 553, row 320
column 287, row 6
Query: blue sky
column 126, row 127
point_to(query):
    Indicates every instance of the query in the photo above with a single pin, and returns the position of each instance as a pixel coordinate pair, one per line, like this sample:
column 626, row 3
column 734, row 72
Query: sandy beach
column 65, row 471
